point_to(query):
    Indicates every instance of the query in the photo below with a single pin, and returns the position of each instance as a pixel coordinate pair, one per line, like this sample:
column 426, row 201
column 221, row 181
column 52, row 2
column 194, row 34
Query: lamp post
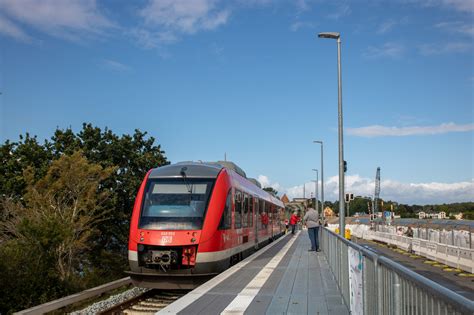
column 322, row 178
column 342, row 219
column 316, row 204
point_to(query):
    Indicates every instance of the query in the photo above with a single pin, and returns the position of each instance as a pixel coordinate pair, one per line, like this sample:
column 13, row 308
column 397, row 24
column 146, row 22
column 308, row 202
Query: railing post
column 364, row 285
column 396, row 294
column 378, row 285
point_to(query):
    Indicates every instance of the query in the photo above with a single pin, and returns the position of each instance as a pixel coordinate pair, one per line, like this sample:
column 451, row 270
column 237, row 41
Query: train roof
column 192, row 169
column 197, row 169
column 209, row 170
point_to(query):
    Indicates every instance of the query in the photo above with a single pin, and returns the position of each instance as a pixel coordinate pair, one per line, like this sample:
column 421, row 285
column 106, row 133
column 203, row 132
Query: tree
column 15, row 157
column 359, row 204
column 271, row 190
column 131, row 155
column 52, row 228
column 81, row 257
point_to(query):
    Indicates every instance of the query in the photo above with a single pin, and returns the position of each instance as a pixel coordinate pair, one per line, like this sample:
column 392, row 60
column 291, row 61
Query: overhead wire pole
column 342, row 219
column 322, row 178
column 316, row 190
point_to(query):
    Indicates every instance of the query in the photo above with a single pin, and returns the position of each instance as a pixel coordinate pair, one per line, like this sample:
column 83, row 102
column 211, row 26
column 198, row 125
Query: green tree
column 15, row 157
column 131, row 155
column 271, row 190
column 103, row 255
column 359, row 204
column 51, row 229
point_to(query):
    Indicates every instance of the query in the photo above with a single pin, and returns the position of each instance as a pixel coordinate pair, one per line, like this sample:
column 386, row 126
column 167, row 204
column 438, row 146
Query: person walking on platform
column 293, row 222
column 311, row 220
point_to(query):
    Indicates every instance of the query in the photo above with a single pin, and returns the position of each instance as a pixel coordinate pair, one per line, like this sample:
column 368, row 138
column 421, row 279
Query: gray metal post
column 396, row 294
column 322, row 181
column 322, row 177
column 342, row 222
column 316, row 190
column 342, row 219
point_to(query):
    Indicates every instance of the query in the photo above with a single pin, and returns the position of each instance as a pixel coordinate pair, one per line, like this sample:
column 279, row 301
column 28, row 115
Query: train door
column 270, row 215
column 256, row 219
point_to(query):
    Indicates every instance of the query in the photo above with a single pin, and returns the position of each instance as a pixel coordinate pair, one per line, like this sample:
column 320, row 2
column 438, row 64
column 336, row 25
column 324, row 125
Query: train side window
column 238, row 210
column 245, row 213
column 269, row 211
column 250, row 210
column 226, row 220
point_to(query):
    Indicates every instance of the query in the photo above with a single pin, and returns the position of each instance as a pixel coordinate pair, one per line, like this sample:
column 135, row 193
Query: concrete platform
column 282, row 278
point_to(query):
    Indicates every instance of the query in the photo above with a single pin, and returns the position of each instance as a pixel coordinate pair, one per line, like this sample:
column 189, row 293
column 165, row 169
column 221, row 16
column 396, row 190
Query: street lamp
column 316, row 190
column 322, row 177
column 342, row 219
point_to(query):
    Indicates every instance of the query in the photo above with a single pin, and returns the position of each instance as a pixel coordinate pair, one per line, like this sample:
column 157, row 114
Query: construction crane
column 375, row 206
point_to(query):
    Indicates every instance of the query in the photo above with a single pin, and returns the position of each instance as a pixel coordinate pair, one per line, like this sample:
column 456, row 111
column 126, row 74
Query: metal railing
column 75, row 298
column 388, row 287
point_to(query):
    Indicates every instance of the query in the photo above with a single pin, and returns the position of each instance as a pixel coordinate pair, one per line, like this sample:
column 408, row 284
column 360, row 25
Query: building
column 328, row 212
column 285, row 199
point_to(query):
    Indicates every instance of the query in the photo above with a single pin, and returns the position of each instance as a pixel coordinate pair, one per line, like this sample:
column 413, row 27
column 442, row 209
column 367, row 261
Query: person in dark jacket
column 311, row 220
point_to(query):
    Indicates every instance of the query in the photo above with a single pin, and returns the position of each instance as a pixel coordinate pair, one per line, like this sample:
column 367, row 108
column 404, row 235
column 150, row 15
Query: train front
column 166, row 226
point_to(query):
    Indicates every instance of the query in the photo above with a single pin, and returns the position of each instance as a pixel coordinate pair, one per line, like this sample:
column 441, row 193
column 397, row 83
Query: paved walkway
column 282, row 278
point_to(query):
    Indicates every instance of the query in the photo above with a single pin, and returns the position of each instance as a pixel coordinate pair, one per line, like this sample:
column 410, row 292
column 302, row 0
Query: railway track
column 147, row 303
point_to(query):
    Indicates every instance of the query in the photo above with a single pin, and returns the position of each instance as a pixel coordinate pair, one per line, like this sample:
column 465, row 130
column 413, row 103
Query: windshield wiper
column 189, row 187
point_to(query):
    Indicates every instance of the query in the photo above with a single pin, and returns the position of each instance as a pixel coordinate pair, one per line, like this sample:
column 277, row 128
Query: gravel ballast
column 110, row 302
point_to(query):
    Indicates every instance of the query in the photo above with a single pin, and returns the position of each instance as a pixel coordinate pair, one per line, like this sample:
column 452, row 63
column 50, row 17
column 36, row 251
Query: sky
column 250, row 80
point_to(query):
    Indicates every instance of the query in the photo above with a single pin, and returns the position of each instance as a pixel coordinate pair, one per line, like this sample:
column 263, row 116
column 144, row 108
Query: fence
column 387, row 287
column 453, row 256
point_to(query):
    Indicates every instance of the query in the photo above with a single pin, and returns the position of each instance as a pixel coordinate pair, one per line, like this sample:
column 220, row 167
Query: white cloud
column 184, row 16
column 115, row 65
column 299, row 24
column 390, row 49
column 166, row 20
column 381, row 131
column 410, row 193
column 302, row 5
column 457, row 27
column 265, row 181
column 10, row 29
column 152, row 39
column 66, row 19
column 386, row 26
column 460, row 5
column 445, row 48
column 342, row 11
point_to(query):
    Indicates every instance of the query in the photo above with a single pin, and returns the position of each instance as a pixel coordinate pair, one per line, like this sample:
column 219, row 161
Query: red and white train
column 193, row 220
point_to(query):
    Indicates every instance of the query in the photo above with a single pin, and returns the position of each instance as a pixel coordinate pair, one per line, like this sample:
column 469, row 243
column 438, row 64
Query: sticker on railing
column 355, row 281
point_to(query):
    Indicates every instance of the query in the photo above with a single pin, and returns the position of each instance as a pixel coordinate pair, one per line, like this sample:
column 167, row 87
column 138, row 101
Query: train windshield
column 175, row 204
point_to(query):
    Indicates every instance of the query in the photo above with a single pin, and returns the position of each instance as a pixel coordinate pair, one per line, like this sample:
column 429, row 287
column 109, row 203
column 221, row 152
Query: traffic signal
column 349, row 197
column 345, row 166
